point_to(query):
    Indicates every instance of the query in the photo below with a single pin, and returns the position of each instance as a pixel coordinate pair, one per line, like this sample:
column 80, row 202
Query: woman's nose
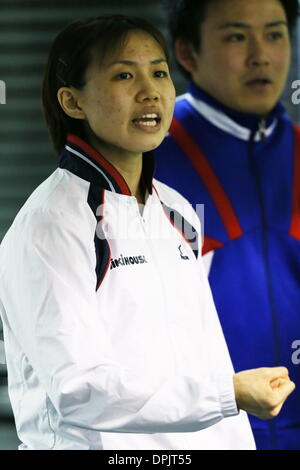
column 147, row 92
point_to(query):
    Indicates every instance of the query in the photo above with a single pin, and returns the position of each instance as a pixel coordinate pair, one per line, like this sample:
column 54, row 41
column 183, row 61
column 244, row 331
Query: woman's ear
column 68, row 100
column 185, row 55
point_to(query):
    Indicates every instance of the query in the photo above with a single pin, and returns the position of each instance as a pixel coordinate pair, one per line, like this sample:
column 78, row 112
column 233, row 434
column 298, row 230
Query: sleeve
column 219, row 354
column 58, row 324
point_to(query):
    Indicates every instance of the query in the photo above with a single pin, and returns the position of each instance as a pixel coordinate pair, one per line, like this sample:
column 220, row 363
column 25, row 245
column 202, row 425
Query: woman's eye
column 160, row 74
column 235, row 38
column 123, row 76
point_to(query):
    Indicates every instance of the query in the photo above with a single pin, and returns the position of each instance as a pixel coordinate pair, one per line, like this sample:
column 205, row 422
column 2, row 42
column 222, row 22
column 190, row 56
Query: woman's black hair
column 70, row 56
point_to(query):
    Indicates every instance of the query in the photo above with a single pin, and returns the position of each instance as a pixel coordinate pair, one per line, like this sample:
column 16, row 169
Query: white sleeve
column 56, row 319
column 221, row 362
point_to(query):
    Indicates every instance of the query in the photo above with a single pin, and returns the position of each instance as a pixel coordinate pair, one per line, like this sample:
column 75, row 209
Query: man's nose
column 258, row 53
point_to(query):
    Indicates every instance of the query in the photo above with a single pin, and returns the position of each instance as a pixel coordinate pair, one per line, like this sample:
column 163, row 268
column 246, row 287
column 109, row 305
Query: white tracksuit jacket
column 112, row 339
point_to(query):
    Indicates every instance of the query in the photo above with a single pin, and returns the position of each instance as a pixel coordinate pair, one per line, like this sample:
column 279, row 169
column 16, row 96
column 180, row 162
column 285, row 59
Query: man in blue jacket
column 233, row 148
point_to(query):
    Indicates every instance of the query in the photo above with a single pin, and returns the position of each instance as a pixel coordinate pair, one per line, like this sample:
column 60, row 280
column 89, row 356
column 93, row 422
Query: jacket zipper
column 265, row 252
column 262, row 129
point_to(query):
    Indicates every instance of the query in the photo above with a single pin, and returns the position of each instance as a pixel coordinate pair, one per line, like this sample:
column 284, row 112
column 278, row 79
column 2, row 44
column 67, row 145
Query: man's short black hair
column 186, row 17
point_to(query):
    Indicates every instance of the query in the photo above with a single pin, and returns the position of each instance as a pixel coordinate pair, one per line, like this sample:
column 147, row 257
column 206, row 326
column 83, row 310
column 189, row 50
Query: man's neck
column 247, row 120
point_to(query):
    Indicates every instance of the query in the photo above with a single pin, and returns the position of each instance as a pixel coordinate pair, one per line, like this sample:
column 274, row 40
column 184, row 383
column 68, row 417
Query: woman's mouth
column 147, row 121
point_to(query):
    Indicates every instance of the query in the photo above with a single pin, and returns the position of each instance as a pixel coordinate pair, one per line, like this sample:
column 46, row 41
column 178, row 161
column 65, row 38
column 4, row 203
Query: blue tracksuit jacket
column 246, row 171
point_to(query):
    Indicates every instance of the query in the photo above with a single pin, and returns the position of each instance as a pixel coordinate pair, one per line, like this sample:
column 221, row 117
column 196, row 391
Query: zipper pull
column 262, row 129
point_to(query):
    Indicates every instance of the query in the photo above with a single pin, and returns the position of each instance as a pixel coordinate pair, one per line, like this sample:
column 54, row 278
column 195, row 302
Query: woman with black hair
column 112, row 339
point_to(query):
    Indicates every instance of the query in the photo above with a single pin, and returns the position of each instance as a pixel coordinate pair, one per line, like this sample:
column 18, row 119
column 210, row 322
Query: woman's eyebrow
column 132, row 63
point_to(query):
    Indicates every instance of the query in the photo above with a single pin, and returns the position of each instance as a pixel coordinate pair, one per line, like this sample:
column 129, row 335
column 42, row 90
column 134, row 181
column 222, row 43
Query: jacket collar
column 236, row 123
column 84, row 161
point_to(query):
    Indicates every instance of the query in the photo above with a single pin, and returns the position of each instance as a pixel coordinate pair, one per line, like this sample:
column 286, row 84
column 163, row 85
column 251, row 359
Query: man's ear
column 185, row 55
column 68, row 100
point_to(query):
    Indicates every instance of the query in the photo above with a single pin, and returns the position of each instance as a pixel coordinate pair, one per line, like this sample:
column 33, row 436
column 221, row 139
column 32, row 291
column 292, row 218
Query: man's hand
column 262, row 391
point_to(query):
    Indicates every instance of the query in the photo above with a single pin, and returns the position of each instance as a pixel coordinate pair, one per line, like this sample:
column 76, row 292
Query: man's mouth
column 259, row 83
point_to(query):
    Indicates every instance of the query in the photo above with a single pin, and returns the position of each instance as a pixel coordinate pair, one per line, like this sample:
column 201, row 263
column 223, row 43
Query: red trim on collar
column 108, row 167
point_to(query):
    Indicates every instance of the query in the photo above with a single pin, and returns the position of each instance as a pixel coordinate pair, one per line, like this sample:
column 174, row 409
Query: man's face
column 244, row 55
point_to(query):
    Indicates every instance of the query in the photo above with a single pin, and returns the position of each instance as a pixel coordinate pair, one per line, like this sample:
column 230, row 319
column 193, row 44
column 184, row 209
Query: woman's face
column 128, row 100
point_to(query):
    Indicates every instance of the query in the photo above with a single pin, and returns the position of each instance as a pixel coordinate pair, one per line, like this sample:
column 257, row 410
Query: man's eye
column 160, row 74
column 276, row 35
column 123, row 76
column 235, row 38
